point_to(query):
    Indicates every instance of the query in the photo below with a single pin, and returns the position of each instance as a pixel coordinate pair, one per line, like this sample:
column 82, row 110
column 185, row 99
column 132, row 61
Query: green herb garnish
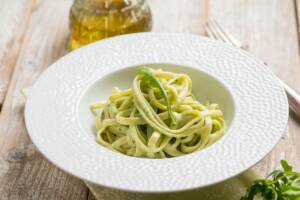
column 155, row 83
column 279, row 185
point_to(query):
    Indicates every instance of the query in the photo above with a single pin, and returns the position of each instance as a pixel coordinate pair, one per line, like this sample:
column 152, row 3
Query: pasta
column 158, row 117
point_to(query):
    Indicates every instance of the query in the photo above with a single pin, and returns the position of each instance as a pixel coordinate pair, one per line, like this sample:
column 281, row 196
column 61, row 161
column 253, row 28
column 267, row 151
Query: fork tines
column 215, row 30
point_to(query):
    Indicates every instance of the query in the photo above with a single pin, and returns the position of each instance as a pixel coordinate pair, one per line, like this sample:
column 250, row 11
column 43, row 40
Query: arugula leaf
column 281, row 185
column 155, row 83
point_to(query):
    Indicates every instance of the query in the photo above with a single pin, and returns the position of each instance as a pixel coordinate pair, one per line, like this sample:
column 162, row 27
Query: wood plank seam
column 27, row 174
column 296, row 6
column 20, row 40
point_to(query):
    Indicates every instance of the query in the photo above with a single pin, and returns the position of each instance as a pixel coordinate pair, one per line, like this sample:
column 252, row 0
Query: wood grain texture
column 297, row 12
column 35, row 36
column 92, row 197
column 24, row 172
column 268, row 28
column 14, row 18
column 177, row 15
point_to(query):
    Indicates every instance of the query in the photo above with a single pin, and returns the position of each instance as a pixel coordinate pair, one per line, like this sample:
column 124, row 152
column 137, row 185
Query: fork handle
column 293, row 98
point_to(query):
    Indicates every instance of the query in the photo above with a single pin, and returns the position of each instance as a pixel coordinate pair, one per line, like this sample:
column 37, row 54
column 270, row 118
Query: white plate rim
column 156, row 184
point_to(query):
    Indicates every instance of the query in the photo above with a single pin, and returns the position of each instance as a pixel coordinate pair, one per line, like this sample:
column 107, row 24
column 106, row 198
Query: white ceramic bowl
column 60, row 123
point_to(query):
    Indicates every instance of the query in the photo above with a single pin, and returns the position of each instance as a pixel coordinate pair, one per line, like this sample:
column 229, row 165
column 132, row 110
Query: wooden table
column 34, row 34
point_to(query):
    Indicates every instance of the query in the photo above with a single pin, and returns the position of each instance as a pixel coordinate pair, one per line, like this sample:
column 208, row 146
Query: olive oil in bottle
column 92, row 20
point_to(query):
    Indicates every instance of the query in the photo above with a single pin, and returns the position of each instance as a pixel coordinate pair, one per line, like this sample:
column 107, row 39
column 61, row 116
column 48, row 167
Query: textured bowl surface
column 55, row 107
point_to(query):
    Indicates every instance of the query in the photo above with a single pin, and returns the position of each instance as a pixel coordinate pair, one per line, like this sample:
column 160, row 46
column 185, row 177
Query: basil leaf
column 279, row 185
column 286, row 167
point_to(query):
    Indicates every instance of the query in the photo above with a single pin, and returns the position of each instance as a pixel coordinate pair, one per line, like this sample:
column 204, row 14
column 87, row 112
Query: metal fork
column 215, row 30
